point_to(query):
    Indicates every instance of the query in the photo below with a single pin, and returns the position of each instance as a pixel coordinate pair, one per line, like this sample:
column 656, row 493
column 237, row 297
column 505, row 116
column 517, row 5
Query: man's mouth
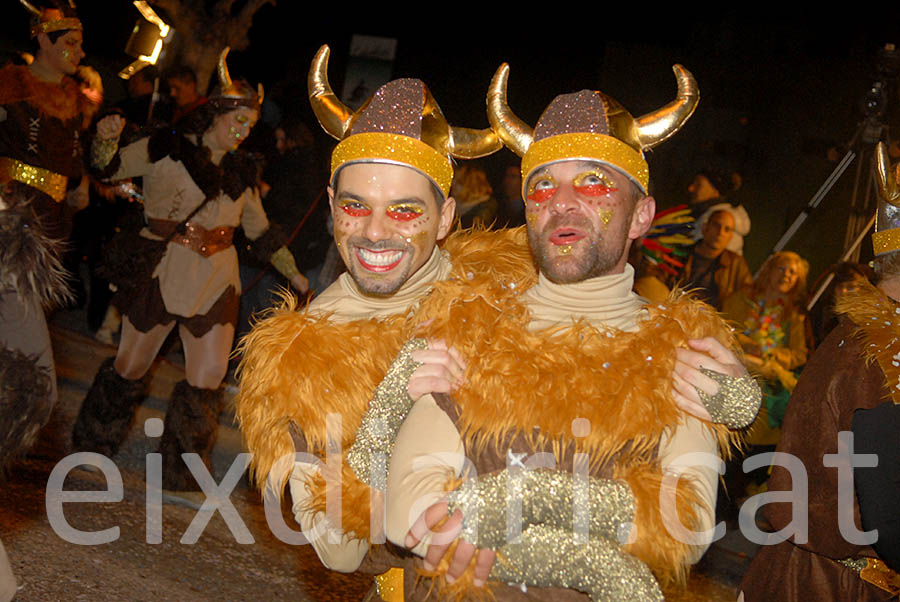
column 379, row 261
column 566, row 236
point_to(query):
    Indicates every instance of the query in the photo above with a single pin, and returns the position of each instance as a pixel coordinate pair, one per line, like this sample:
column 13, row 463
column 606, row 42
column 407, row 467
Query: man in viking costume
column 198, row 188
column 388, row 192
column 567, row 411
column 850, row 385
column 40, row 119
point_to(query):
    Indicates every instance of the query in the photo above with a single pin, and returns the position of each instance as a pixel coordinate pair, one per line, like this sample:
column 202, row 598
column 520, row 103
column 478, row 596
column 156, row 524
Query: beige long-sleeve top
column 189, row 283
column 344, row 302
column 429, row 448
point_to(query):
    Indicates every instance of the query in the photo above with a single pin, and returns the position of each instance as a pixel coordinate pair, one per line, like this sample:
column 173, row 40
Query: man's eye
column 404, row 213
column 542, row 190
column 593, row 184
column 355, row 209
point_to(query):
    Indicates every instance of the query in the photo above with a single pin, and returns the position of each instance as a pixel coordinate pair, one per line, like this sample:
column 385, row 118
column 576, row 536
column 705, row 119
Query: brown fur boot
column 25, row 403
column 192, row 421
column 107, row 411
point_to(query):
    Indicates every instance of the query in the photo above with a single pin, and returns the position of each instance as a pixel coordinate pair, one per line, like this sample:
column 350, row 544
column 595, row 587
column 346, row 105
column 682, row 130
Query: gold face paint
column 564, row 249
column 605, row 215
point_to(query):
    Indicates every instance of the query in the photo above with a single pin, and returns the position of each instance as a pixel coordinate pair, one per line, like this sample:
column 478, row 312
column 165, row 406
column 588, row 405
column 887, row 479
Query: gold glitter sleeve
column 283, row 261
column 496, row 507
column 736, row 403
column 546, row 556
column 103, row 150
column 370, row 454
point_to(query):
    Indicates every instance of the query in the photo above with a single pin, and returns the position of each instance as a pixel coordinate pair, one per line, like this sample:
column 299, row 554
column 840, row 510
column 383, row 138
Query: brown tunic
column 836, row 382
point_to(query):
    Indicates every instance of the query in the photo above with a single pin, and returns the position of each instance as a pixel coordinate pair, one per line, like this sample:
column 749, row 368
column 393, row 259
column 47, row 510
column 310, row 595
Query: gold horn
column 224, row 76
column 888, row 179
column 656, row 127
column 515, row 133
column 333, row 115
column 30, row 8
column 468, row 143
column 260, row 93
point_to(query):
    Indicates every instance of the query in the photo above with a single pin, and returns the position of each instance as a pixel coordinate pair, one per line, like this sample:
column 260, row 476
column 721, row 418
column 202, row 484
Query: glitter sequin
column 386, row 412
column 548, row 557
column 737, row 401
column 589, row 147
column 549, row 497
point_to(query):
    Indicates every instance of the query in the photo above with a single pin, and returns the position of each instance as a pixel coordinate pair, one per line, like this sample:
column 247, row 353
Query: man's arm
column 877, row 431
column 336, row 550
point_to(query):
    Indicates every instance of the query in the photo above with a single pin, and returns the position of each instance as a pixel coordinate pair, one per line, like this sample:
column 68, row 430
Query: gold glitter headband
column 50, row 20
column 376, row 147
column 588, row 147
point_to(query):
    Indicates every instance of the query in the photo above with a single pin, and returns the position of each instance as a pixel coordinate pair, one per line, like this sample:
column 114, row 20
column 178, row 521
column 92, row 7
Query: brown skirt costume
column 147, row 309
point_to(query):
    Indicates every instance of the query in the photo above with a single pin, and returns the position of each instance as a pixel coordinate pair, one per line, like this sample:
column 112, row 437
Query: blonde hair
column 798, row 292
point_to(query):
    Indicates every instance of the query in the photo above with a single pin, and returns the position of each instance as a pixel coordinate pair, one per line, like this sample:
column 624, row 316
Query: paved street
column 216, row 567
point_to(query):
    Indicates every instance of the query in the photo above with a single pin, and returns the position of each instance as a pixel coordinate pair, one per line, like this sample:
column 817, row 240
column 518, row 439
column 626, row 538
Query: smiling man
column 567, row 411
column 303, row 370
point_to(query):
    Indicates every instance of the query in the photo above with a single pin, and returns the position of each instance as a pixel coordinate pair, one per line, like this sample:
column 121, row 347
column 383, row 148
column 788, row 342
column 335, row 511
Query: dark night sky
column 776, row 91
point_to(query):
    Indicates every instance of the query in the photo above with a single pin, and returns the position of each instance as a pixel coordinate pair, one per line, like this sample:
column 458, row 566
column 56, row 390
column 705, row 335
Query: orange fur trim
column 666, row 557
column 619, row 381
column 877, row 318
column 63, row 101
column 300, row 368
column 355, row 502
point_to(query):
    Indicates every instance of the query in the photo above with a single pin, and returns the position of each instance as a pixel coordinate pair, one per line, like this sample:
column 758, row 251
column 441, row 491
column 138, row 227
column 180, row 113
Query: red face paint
column 594, row 190
column 356, row 210
column 542, row 195
column 403, row 213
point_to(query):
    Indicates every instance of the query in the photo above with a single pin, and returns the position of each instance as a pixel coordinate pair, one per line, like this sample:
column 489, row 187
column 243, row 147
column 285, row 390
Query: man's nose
column 377, row 227
column 564, row 200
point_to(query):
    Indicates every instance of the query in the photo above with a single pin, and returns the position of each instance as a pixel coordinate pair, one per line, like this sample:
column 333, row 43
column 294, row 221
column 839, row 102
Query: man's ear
column 448, row 212
column 330, row 198
column 642, row 218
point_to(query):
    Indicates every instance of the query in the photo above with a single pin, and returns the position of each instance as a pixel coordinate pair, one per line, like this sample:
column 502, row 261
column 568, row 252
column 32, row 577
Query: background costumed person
column 850, row 384
column 41, row 112
column 198, row 188
column 578, row 369
column 390, row 179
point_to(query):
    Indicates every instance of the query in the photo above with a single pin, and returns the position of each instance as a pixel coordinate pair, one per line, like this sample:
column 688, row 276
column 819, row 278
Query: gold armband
column 103, row 150
column 284, row 262
column 737, row 401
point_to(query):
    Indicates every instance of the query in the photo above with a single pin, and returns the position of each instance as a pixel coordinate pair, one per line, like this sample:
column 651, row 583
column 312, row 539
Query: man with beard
column 565, row 406
column 388, row 193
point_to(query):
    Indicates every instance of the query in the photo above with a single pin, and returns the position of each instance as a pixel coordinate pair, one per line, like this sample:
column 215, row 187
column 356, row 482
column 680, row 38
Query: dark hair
column 182, row 73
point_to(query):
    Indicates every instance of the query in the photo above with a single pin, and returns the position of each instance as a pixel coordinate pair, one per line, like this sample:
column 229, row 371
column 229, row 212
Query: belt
column 876, row 572
column 48, row 182
column 195, row 237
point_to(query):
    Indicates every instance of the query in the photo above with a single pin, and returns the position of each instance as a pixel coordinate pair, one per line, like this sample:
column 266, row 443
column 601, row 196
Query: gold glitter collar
column 587, row 147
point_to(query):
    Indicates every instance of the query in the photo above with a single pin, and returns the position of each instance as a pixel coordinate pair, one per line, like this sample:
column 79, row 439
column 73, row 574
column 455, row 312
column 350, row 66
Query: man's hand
column 442, row 370
column 442, row 537
column 705, row 353
column 110, row 127
column 300, row 283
